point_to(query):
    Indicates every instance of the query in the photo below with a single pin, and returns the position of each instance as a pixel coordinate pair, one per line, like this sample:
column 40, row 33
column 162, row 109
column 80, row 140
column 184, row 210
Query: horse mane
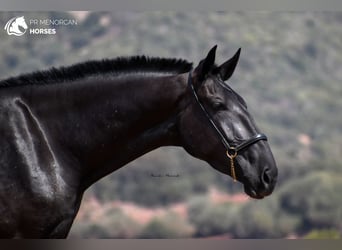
column 98, row 68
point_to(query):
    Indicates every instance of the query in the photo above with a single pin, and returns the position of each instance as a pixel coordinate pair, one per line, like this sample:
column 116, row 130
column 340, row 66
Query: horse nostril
column 265, row 178
column 267, row 181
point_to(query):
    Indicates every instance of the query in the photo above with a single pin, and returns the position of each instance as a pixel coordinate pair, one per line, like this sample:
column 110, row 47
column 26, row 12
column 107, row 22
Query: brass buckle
column 232, row 157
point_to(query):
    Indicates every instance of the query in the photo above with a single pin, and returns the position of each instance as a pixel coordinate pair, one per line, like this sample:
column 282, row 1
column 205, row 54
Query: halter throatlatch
column 231, row 152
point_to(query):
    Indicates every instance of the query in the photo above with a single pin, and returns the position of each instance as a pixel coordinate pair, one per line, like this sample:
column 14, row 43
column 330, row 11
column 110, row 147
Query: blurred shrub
column 168, row 226
column 211, row 219
column 254, row 219
column 316, row 198
column 323, row 234
column 120, row 225
column 113, row 224
column 263, row 219
column 88, row 229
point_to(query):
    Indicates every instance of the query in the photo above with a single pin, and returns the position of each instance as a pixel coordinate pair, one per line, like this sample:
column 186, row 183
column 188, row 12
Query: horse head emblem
column 16, row 26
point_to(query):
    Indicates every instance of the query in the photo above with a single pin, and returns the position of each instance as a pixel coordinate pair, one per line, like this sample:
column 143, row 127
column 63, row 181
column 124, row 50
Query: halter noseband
column 231, row 151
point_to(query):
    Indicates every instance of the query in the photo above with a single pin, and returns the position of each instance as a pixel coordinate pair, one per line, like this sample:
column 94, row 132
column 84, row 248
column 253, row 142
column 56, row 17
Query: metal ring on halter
column 232, row 153
column 232, row 166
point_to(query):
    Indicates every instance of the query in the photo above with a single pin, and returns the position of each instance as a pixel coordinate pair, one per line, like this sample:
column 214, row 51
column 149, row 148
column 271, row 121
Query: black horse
column 64, row 129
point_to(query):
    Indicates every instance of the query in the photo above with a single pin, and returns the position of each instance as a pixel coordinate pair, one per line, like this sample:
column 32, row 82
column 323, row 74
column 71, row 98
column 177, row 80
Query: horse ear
column 226, row 70
column 206, row 64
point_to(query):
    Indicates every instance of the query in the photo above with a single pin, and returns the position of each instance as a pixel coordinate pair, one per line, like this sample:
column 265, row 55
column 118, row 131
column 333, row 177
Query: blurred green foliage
column 169, row 226
column 114, row 224
column 290, row 76
column 211, row 219
column 316, row 199
column 323, row 234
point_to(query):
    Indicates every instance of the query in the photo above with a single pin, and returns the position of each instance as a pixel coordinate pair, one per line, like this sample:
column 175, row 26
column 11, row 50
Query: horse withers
column 65, row 128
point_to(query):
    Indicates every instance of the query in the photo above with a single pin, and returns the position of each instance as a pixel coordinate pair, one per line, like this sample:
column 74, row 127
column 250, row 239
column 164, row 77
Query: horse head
column 217, row 127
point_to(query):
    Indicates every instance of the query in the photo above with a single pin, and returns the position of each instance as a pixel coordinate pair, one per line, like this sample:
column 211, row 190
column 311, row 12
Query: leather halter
column 231, row 151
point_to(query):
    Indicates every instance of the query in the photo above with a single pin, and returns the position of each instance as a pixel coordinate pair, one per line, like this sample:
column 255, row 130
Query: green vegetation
column 168, row 226
column 290, row 77
column 323, row 234
column 113, row 224
column 211, row 219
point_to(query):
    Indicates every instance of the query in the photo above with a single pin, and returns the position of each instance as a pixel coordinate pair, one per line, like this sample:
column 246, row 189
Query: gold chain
column 232, row 167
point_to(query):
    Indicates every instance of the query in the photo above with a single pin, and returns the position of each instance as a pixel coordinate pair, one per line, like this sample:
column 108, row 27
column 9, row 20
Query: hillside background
column 290, row 74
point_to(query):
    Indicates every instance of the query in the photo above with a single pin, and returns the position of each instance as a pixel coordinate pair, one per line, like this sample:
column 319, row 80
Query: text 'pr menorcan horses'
column 64, row 129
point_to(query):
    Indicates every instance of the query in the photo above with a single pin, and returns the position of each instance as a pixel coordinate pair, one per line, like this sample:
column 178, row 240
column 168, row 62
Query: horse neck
column 129, row 118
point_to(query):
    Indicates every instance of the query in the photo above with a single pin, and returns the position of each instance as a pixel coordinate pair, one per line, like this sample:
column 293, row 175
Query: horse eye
column 219, row 106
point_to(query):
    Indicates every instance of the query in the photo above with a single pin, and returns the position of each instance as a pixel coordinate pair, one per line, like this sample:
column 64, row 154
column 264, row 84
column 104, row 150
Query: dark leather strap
column 251, row 141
